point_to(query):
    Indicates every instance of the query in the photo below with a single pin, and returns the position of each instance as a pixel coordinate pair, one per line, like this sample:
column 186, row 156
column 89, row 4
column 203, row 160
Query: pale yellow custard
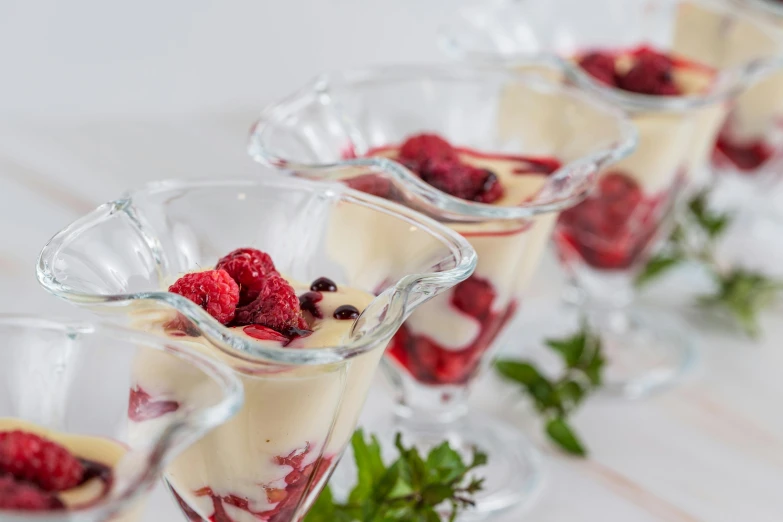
column 295, row 421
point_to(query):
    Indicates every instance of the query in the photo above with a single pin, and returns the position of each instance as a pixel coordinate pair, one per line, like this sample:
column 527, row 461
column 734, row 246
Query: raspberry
column 462, row 181
column 611, row 228
column 651, row 74
column 34, row 459
column 25, row 497
column 248, row 267
column 600, row 66
column 491, row 190
column 276, row 307
column 141, row 407
column 474, row 296
column 263, row 333
column 426, row 147
column 747, row 157
column 214, row 290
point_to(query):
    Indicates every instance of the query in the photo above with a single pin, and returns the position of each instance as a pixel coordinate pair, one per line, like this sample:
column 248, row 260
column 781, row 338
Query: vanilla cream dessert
column 618, row 225
column 95, row 458
column 296, row 421
column 443, row 342
column 753, row 134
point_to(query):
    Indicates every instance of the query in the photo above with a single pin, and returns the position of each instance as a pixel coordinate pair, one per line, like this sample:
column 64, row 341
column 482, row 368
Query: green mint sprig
column 556, row 399
column 413, row 488
column 741, row 293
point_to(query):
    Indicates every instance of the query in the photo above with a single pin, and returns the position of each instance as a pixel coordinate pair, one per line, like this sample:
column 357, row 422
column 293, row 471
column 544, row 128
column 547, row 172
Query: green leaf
column 743, row 294
column 570, row 349
column 445, row 464
column 475, row 485
column 369, row 466
column 436, row 493
column 712, row 223
column 410, row 489
column 657, row 266
column 521, row 372
column 428, row 514
column 323, row 509
column 387, row 483
column 593, row 370
column 570, row 394
column 545, row 396
column 479, row 459
column 583, row 356
column 413, row 469
column 562, row 434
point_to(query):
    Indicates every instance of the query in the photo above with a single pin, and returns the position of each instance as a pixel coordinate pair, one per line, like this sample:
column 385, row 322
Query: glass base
column 646, row 349
column 513, row 473
column 645, row 352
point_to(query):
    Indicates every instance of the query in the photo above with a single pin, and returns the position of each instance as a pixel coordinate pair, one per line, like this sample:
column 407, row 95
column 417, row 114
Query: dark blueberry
column 323, row 284
column 307, row 302
column 346, row 312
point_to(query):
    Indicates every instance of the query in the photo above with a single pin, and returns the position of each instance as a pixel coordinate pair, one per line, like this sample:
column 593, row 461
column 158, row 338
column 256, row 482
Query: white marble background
column 100, row 96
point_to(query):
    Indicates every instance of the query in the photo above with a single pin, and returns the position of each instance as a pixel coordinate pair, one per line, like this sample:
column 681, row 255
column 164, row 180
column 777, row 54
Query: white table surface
column 93, row 106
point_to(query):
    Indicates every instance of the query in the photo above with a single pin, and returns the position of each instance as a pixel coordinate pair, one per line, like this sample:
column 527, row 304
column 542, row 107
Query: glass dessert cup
column 748, row 157
column 302, row 404
column 605, row 241
column 79, row 384
column 494, row 117
column 750, row 144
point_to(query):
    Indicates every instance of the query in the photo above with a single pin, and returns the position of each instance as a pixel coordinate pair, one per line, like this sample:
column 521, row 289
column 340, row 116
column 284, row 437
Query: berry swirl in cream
column 443, row 342
column 616, row 227
column 283, row 444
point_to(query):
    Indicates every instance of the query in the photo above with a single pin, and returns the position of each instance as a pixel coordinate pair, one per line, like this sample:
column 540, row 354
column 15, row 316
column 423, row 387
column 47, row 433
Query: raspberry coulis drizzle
column 475, row 298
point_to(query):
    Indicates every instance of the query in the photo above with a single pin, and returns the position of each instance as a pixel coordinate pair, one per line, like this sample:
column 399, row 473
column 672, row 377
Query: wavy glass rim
column 730, row 81
column 156, row 455
column 221, row 336
column 454, row 208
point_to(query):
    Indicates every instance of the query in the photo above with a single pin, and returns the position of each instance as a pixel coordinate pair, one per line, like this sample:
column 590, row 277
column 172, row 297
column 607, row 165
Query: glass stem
column 435, row 410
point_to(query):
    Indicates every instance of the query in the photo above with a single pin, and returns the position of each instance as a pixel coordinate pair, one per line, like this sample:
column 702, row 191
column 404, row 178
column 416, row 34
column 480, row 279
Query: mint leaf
column 369, row 465
column 562, row 434
column 523, row 373
column 570, row 394
column 556, row 399
column 712, row 223
column 412, row 488
column 323, row 509
column 743, row 294
column 657, row 266
column 570, row 349
column 445, row 464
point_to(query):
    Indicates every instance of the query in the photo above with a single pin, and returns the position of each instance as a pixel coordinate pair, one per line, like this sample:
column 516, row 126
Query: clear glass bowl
column 751, row 141
column 273, row 458
column 339, row 118
column 91, row 387
column 749, row 158
column 605, row 241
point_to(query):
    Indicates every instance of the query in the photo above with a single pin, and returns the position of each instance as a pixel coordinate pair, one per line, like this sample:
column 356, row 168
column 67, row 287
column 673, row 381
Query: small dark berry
column 308, row 303
column 323, row 284
column 346, row 312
